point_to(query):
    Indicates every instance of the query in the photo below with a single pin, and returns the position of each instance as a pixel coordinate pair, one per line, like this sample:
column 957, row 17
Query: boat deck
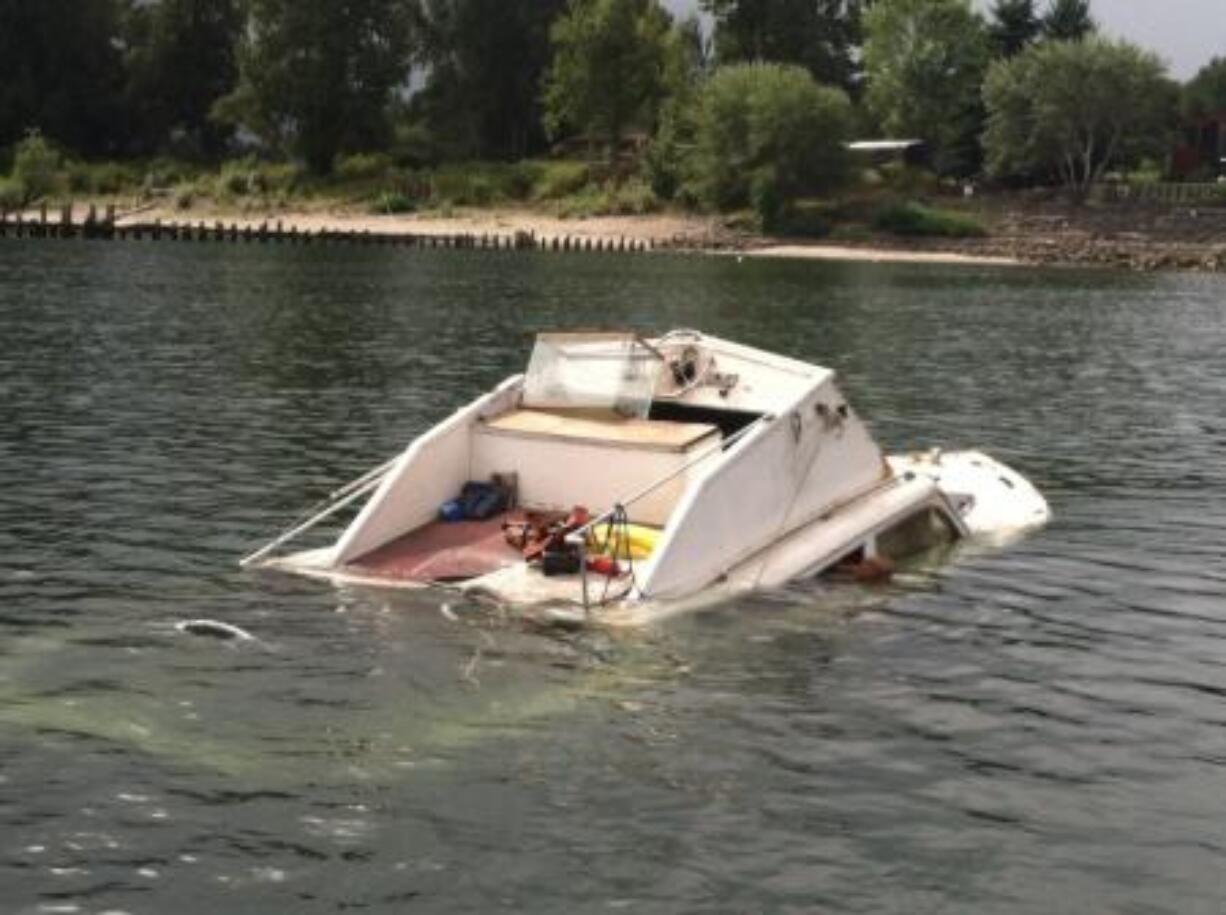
column 442, row 552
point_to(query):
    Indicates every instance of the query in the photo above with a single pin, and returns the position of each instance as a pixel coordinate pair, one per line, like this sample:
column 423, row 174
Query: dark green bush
column 36, row 166
column 362, row 166
column 12, row 195
column 559, row 179
column 103, row 178
column 767, row 134
column 916, row 220
column 390, row 203
column 805, row 220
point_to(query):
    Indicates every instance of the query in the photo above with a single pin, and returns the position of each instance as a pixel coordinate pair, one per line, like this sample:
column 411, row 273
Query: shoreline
column 1070, row 238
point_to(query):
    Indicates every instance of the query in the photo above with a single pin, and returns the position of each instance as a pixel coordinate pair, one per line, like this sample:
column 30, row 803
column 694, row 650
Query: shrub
column 588, row 201
column 283, row 178
column 916, row 220
column 80, row 177
column 236, row 177
column 113, row 178
column 104, row 178
column 392, row 202
column 519, row 180
column 807, row 220
column 36, row 166
column 413, row 146
column 634, row 198
column 362, row 166
column 766, row 197
column 561, row 179
column 908, row 180
column 241, row 177
column 460, row 186
column 767, row 134
column 167, row 172
column 480, row 184
column 12, row 195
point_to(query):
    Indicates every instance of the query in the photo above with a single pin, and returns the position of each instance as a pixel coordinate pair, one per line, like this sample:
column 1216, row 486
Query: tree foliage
column 767, row 134
column 608, row 68
column 685, row 63
column 486, row 61
column 1014, row 26
column 925, row 62
column 1205, row 94
column 820, row 35
column 316, row 78
column 35, row 166
column 61, row 71
column 1068, row 20
column 1073, row 109
column 181, row 60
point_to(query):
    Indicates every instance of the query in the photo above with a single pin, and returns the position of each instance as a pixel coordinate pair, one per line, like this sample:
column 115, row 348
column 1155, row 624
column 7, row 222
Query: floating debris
column 215, row 629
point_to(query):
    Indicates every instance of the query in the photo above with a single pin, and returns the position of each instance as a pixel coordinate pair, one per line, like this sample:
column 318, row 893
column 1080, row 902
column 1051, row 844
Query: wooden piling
column 97, row 223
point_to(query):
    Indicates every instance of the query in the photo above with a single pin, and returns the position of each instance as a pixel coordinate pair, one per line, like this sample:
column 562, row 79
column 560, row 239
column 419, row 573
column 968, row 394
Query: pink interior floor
column 443, row 552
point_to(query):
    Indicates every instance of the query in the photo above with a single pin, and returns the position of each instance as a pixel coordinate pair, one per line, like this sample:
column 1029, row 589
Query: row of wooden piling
column 103, row 225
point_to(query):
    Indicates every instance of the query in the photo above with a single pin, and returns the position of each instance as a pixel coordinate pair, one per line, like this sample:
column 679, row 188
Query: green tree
column 486, row 60
column 316, row 77
column 768, row 134
column 1014, row 26
column 61, row 70
column 1068, row 20
column 36, row 166
column 608, row 65
column 925, row 61
column 181, row 60
column 1073, row 109
column 685, row 63
column 820, row 35
column 1205, row 93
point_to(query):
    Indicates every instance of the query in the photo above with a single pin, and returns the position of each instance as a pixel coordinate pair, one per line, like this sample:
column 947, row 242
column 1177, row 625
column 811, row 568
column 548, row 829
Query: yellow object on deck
column 612, row 540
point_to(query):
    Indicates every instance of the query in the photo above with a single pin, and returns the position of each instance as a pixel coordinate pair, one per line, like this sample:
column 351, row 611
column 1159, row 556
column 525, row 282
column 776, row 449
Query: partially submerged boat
column 622, row 478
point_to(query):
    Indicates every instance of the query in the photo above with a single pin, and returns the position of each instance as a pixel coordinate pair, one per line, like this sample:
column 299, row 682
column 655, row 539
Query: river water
column 1035, row 729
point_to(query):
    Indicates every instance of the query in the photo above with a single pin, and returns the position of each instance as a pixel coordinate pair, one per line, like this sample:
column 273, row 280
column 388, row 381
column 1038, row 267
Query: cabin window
column 916, row 533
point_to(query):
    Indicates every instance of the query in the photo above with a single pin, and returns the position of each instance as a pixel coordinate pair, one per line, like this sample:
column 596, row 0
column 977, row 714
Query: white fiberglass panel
column 558, row 474
column 808, row 461
column 433, row 469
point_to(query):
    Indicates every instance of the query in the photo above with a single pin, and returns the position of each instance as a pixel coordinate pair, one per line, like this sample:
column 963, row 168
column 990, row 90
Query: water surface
column 1038, row 729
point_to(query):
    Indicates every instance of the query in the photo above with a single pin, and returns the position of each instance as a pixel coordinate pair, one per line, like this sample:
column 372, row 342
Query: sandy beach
column 1130, row 238
column 676, row 231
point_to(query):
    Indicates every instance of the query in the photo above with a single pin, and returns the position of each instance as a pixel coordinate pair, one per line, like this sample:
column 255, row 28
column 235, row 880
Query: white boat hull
column 797, row 487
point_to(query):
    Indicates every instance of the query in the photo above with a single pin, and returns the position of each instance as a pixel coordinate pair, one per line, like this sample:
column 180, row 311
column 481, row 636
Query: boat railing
column 323, row 510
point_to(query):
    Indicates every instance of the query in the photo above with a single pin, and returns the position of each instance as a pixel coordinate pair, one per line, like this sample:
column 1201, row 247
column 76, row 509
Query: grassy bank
column 880, row 204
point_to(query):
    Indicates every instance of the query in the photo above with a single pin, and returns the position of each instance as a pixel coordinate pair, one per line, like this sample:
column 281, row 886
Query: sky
column 1185, row 33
